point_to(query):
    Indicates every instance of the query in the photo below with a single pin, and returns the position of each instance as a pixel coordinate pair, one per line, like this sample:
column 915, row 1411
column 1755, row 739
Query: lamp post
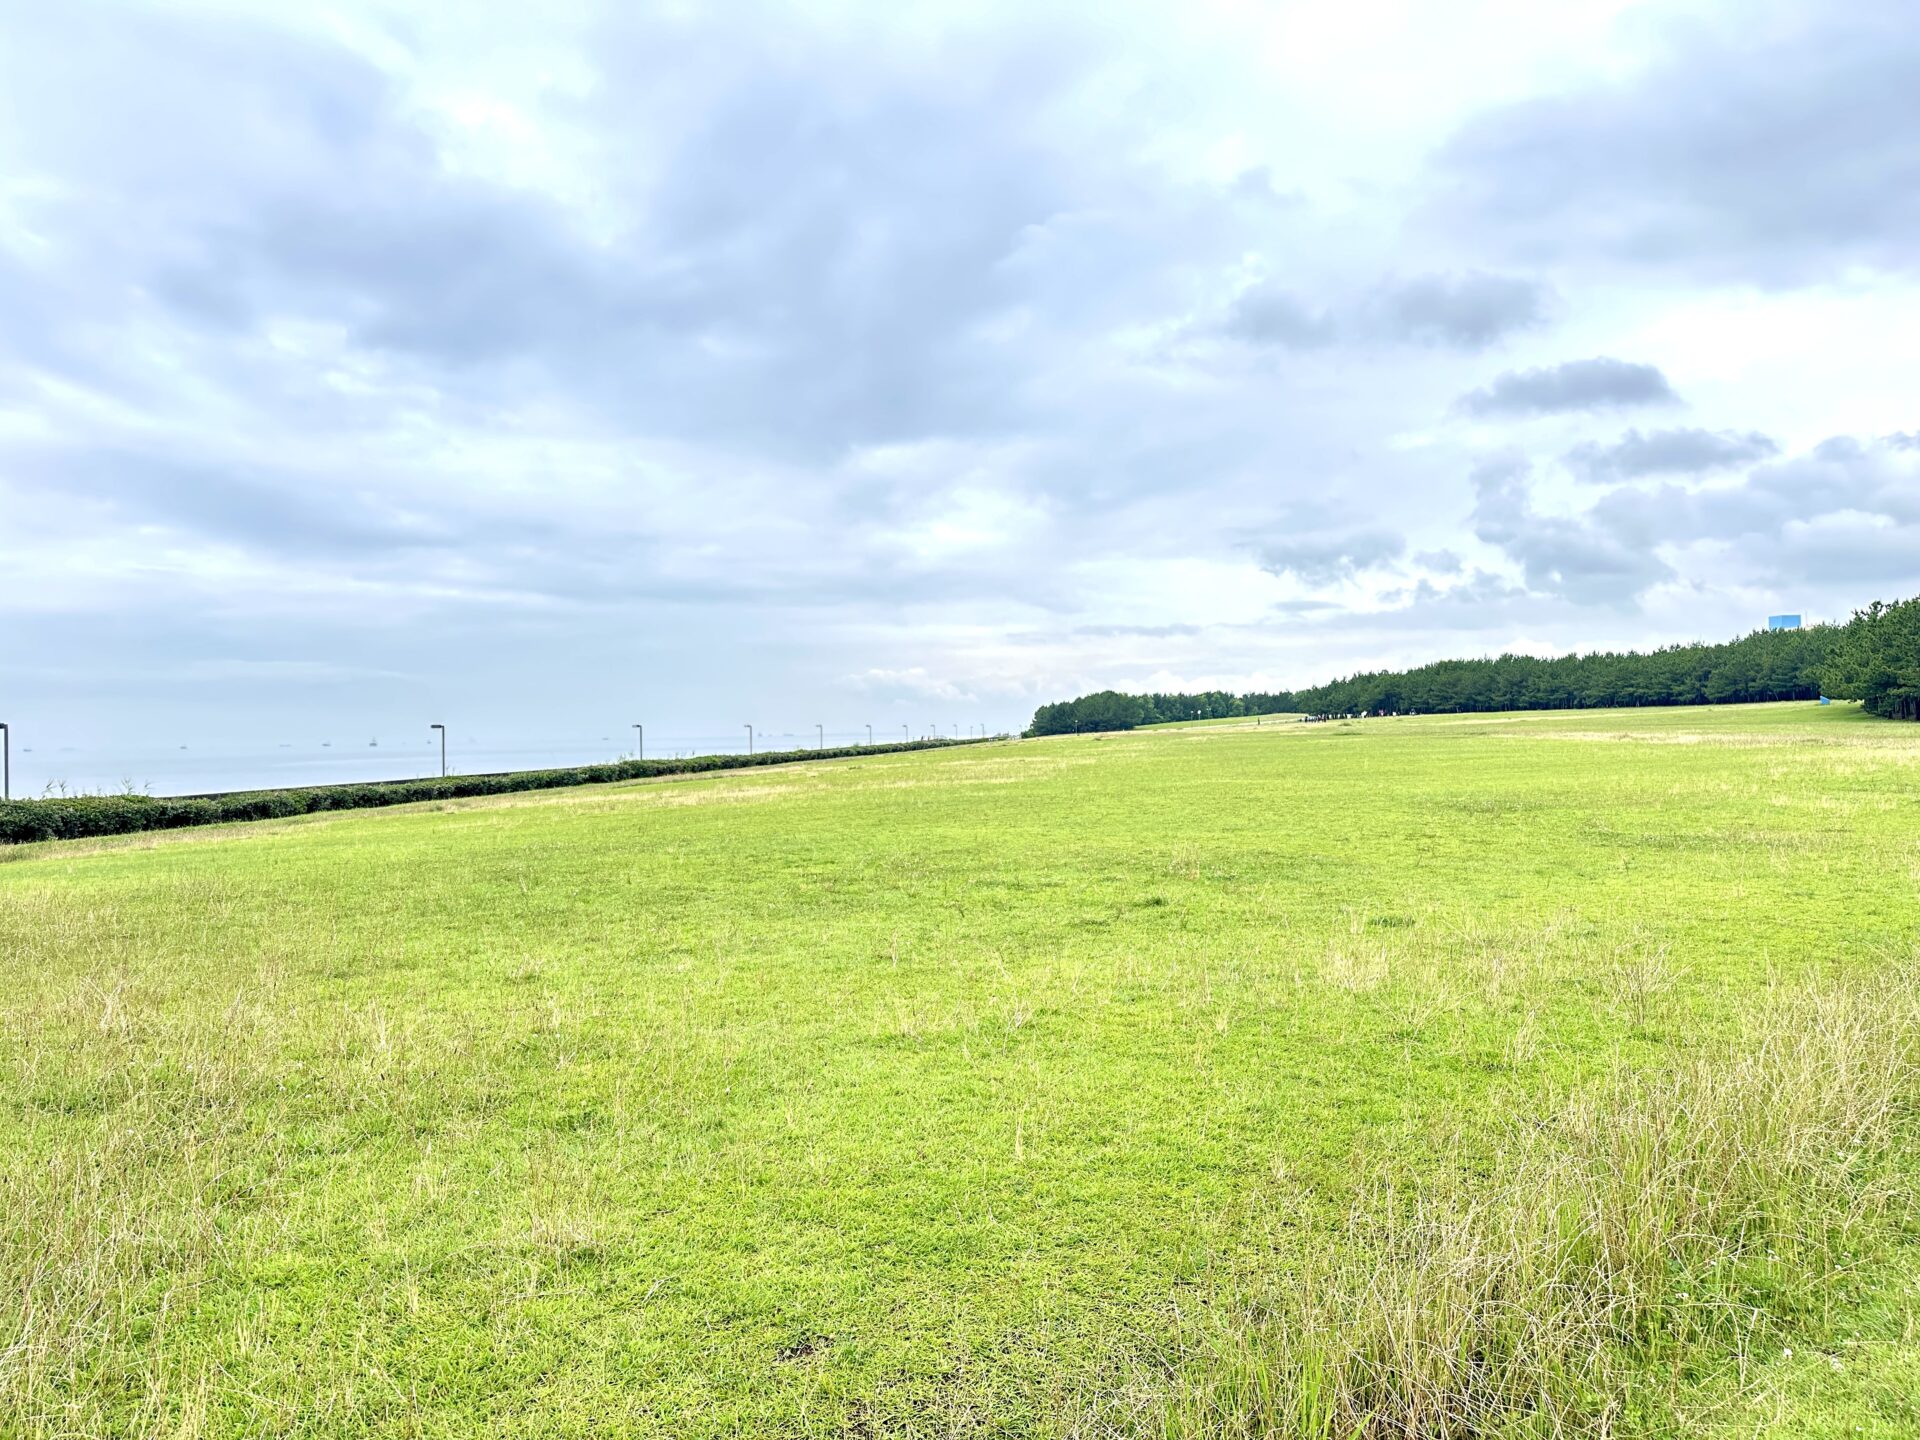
column 823, row 737
column 443, row 748
column 869, row 734
column 903, row 733
column 749, row 740
column 6, row 763
column 639, row 742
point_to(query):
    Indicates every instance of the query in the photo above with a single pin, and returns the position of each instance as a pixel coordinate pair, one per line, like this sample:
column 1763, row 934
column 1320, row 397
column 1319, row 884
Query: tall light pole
column 869, row 734
column 639, row 742
column 823, row 737
column 749, row 740
column 903, row 733
column 6, row 763
column 443, row 748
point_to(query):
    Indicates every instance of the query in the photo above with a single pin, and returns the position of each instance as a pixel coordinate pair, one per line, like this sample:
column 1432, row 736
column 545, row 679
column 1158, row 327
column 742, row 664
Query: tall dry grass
column 1657, row 1229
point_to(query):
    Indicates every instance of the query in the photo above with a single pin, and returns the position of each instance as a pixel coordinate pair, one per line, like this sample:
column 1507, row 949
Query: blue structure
column 1783, row 622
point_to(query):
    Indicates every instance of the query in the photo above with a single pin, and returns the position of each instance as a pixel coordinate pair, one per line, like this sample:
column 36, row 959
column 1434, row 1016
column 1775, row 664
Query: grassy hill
column 1014, row 1089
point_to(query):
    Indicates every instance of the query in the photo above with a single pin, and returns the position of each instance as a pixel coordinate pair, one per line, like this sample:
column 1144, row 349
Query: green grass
column 1007, row 1090
column 1254, row 720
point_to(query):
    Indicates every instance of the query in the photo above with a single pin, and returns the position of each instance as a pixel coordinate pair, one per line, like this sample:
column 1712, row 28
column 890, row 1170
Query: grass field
column 1235, row 721
column 1022, row 1089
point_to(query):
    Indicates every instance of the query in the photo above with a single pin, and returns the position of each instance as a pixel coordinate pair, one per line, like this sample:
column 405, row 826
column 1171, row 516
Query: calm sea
column 190, row 770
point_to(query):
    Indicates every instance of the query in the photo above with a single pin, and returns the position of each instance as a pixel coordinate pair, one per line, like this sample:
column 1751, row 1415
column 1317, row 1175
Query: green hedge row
column 82, row 816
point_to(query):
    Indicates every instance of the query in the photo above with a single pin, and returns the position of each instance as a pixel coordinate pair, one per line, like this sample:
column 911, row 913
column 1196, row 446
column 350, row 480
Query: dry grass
column 1656, row 1230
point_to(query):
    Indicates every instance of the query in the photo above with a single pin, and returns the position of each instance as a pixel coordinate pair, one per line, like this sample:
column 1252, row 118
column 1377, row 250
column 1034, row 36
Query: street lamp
column 640, row 742
column 869, row 734
column 6, row 763
column 749, row 740
column 443, row 748
column 903, row 733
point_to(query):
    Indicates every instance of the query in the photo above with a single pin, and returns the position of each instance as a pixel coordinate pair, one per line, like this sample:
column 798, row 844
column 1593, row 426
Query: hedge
column 83, row 816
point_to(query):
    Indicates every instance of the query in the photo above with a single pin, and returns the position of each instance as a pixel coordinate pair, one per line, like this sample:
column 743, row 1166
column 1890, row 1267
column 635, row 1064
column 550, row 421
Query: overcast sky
column 571, row 364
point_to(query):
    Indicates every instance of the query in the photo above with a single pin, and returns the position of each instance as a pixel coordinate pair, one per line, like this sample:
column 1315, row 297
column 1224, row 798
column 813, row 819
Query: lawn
column 942, row 1093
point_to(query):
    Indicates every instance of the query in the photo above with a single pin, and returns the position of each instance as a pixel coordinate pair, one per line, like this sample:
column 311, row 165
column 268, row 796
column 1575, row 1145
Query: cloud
column 1669, row 452
column 1845, row 511
column 1876, row 483
column 1766, row 141
column 497, row 359
column 1565, row 556
column 1599, row 384
column 1264, row 315
column 806, row 265
column 1327, row 559
column 1467, row 312
column 913, row 681
column 1144, row 632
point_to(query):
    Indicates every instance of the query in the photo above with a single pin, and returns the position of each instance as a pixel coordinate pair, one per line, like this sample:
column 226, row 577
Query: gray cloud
column 800, row 269
column 1845, row 511
column 1840, row 481
column 1770, row 141
column 1598, row 384
column 1324, row 559
column 1458, row 311
column 1468, row 311
column 276, row 507
column 1669, row 452
column 1569, row 557
column 1265, row 315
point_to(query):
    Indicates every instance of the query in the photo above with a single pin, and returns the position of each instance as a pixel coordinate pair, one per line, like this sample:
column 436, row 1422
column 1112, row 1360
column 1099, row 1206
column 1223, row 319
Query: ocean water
column 43, row 768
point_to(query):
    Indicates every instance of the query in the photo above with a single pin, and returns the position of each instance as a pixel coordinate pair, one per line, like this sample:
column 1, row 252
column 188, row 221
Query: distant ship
column 373, row 743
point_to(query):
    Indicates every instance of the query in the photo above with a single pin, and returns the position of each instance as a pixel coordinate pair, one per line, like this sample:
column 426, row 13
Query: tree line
column 1877, row 660
column 1874, row 658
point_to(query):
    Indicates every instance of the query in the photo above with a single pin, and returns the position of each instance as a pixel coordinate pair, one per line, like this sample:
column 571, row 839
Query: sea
column 41, row 768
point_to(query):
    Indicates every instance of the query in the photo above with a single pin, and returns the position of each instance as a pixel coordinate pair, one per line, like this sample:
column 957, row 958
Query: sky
column 545, row 369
